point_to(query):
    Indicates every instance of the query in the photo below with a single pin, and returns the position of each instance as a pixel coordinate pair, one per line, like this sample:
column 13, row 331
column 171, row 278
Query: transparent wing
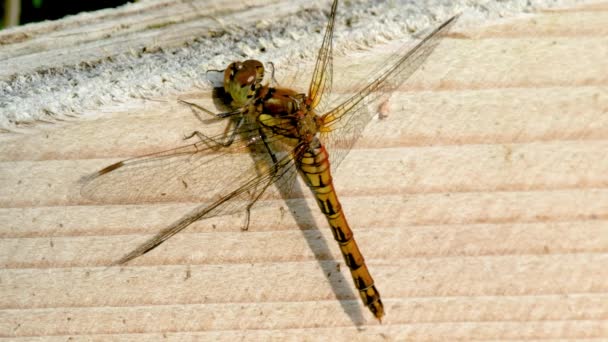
column 196, row 172
column 238, row 197
column 343, row 125
column 323, row 73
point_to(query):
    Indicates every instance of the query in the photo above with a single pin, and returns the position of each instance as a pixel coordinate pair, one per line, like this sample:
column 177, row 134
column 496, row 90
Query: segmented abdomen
column 314, row 168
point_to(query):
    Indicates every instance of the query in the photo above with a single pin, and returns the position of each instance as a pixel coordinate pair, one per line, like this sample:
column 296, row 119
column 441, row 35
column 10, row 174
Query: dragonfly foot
column 209, row 141
column 245, row 226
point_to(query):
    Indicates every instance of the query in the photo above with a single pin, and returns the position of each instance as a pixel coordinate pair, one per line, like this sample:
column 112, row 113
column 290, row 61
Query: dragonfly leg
column 252, row 203
column 271, row 180
column 214, row 143
column 238, row 111
column 270, row 152
column 274, row 80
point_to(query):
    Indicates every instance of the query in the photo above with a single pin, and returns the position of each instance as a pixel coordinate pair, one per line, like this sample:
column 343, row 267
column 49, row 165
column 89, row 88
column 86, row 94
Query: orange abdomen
column 314, row 168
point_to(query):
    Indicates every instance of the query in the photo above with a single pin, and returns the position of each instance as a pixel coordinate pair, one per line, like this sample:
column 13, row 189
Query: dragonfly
column 273, row 134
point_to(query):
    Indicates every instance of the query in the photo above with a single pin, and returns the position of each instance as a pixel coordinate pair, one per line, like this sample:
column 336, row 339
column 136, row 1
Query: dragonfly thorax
column 284, row 112
column 280, row 101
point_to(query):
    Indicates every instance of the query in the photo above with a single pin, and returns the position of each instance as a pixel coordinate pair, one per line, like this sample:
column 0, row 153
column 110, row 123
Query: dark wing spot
column 110, row 168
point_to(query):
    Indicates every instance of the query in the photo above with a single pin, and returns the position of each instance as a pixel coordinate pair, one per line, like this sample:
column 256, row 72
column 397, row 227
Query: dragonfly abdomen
column 314, row 168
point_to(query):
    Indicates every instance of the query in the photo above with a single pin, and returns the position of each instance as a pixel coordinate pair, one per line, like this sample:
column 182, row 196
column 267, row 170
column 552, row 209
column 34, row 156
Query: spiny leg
column 206, row 139
column 272, row 73
column 271, row 180
column 238, row 111
column 227, row 141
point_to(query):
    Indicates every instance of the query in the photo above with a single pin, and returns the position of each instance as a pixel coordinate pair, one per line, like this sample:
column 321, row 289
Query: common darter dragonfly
column 276, row 133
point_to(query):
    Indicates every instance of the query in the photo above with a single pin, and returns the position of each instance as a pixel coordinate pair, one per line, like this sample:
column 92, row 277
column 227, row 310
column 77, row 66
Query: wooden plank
column 482, row 210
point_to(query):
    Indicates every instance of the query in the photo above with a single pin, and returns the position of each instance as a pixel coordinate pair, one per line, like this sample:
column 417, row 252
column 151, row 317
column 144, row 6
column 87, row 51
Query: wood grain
column 480, row 203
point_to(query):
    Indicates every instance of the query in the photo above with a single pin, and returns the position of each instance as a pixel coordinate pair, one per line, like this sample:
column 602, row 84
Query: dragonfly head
column 242, row 81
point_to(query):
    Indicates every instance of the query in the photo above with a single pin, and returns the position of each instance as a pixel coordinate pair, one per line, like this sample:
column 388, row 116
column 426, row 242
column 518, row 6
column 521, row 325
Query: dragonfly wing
column 238, row 197
column 188, row 173
column 321, row 82
column 343, row 125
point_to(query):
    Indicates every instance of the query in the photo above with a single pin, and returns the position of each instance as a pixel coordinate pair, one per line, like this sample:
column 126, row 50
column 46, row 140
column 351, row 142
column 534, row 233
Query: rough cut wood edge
column 496, row 228
column 56, row 70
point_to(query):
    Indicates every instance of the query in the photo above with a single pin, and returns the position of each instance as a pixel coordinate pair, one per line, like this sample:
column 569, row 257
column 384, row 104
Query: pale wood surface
column 480, row 203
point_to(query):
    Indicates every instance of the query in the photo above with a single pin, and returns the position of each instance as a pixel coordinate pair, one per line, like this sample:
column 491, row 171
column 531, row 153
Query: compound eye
column 231, row 70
